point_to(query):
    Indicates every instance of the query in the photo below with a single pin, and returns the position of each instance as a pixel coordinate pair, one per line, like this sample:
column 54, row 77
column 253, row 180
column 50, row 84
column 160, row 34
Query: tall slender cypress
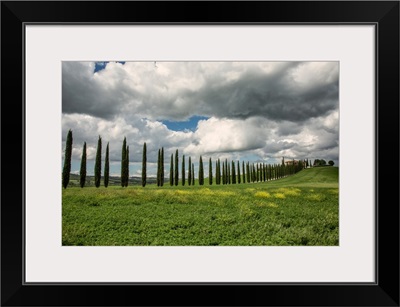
column 244, row 173
column 162, row 167
column 67, row 160
column 171, row 171
column 223, row 173
column 217, row 172
column 159, row 168
column 201, row 172
column 233, row 173
column 82, row 179
column 269, row 172
column 248, row 172
column 123, row 162
column 127, row 166
column 144, row 164
column 176, row 168
column 190, row 172
column 97, row 164
column 183, row 170
column 258, row 173
column 228, row 172
column 107, row 166
column 238, row 171
column 265, row 172
column 210, row 176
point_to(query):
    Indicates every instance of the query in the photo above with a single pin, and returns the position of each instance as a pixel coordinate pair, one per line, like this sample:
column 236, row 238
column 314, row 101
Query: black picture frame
column 383, row 14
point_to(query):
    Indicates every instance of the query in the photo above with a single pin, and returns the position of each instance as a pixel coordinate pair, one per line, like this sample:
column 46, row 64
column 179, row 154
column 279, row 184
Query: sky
column 246, row 111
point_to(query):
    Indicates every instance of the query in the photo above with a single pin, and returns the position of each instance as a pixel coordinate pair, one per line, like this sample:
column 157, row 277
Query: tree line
column 229, row 172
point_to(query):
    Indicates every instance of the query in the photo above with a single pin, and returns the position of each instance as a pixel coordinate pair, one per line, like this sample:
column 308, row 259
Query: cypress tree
column 223, row 173
column 190, row 172
column 158, row 168
column 228, row 172
column 262, row 172
column 107, row 166
column 238, row 170
column 248, row 172
column 183, row 170
column 251, row 173
column 233, row 173
column 144, row 162
column 97, row 164
column 67, row 160
column 217, row 172
column 210, row 176
column 176, row 167
column 127, row 166
column 266, row 172
column 201, row 172
column 264, row 175
column 162, row 167
column 123, row 162
column 171, row 171
column 82, row 172
column 258, row 173
column 244, row 173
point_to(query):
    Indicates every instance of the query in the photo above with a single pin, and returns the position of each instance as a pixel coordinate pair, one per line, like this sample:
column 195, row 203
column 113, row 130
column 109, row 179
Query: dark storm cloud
column 273, row 96
column 84, row 93
column 290, row 91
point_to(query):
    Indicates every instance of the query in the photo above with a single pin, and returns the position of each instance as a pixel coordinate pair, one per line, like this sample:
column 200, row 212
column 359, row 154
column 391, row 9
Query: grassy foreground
column 299, row 210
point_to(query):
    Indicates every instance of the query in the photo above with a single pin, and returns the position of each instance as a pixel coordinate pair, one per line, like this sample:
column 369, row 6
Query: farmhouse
column 291, row 162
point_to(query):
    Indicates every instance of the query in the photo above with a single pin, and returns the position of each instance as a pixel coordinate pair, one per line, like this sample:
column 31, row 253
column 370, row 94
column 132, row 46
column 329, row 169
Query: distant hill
column 322, row 176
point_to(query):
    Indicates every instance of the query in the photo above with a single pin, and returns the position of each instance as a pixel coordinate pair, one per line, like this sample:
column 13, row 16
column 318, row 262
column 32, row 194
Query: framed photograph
column 151, row 157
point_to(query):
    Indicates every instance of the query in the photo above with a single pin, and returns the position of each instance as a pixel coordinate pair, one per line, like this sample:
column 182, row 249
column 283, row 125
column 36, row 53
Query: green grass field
column 299, row 210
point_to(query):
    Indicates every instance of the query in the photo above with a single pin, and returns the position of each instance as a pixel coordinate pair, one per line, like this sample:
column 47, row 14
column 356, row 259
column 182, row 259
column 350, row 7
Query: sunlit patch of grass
column 263, row 204
column 334, row 191
column 205, row 191
column 316, row 197
column 279, row 195
column 181, row 192
column 262, row 194
column 213, row 193
column 289, row 191
column 160, row 191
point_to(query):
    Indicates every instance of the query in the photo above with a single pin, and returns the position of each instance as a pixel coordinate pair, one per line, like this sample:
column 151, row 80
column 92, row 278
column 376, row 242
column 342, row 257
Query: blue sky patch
column 190, row 124
column 101, row 65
